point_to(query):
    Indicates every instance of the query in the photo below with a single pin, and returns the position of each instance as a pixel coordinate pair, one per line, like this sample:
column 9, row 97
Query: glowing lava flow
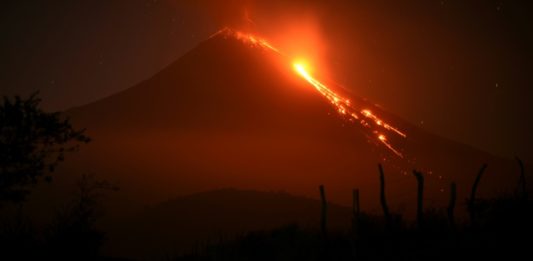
column 256, row 41
column 379, row 122
column 248, row 38
column 342, row 105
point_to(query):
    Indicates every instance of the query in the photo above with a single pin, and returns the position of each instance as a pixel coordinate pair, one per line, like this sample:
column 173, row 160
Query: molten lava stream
column 349, row 111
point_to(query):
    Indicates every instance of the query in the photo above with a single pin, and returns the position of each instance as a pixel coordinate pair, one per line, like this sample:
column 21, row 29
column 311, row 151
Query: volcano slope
column 232, row 113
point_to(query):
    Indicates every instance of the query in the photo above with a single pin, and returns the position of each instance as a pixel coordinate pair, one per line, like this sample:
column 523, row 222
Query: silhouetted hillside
column 179, row 225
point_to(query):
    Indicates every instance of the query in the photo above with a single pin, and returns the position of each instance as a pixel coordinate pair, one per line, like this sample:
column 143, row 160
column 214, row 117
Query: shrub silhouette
column 74, row 235
column 32, row 143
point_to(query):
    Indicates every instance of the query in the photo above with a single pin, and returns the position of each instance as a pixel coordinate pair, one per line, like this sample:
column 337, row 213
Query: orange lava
column 343, row 105
column 345, row 108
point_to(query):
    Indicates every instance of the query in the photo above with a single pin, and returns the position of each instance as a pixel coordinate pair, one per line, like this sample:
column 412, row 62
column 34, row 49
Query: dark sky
column 460, row 69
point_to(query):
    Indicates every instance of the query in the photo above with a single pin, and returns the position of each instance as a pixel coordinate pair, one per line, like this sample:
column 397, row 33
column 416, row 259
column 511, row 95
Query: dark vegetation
column 496, row 228
column 33, row 143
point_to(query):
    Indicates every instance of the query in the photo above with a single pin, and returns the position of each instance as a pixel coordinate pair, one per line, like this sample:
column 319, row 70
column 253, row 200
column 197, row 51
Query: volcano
column 233, row 113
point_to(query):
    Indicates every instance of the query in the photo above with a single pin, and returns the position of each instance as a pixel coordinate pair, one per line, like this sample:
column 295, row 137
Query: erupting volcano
column 265, row 130
column 351, row 112
column 237, row 111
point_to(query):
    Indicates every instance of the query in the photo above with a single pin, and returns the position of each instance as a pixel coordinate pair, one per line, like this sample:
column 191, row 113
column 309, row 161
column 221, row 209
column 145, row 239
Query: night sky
column 460, row 69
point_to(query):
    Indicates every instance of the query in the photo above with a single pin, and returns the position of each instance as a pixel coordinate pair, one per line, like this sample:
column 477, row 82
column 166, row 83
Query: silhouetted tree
column 32, row 143
column 74, row 234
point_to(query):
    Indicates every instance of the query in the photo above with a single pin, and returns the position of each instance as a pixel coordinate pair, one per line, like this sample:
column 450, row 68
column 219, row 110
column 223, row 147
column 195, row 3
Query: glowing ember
column 343, row 106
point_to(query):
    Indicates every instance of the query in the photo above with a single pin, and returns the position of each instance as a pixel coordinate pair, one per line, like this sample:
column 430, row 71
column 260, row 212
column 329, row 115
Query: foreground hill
column 179, row 225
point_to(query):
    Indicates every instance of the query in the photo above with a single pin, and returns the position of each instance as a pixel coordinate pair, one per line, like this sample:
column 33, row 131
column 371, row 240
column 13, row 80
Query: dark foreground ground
column 501, row 228
column 497, row 228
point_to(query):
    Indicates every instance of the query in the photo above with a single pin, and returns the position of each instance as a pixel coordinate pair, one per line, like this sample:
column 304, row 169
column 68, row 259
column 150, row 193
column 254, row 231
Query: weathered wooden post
column 472, row 201
column 383, row 198
column 420, row 198
column 356, row 211
column 323, row 218
column 522, row 178
column 451, row 205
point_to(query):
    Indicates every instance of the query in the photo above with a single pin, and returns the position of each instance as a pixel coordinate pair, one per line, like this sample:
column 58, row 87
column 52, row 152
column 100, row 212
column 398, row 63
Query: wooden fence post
column 451, row 205
column 383, row 199
column 472, row 201
column 522, row 178
column 420, row 198
column 356, row 211
column 323, row 219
